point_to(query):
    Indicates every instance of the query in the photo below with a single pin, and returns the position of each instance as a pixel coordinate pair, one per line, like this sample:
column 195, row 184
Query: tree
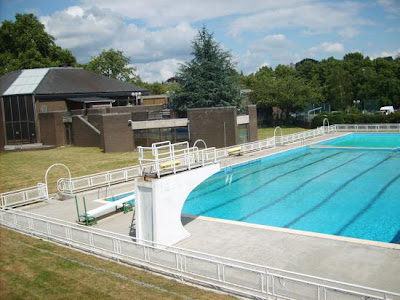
column 209, row 79
column 340, row 88
column 24, row 44
column 112, row 63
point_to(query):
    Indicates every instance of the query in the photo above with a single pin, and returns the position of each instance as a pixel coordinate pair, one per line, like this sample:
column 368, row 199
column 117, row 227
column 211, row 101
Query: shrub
column 341, row 118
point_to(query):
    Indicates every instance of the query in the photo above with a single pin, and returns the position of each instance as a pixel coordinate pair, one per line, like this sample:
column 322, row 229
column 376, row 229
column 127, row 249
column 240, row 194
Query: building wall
column 216, row 126
column 2, row 135
column 155, row 99
column 253, row 127
column 52, row 128
column 83, row 135
column 116, row 135
column 128, row 109
column 50, row 106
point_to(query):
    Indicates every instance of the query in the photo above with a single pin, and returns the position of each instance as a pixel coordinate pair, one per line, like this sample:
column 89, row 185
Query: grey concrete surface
column 347, row 261
column 350, row 262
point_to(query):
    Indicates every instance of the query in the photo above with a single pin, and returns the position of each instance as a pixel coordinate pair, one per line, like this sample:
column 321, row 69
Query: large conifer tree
column 209, row 79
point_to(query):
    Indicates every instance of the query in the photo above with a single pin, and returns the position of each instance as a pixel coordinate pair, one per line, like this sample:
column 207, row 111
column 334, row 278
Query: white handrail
column 188, row 264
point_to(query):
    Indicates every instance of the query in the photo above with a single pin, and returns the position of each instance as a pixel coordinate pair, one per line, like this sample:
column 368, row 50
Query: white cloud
column 275, row 42
column 313, row 18
column 348, row 32
column 392, row 7
column 158, row 71
column 335, row 48
column 393, row 54
column 158, row 13
column 88, row 31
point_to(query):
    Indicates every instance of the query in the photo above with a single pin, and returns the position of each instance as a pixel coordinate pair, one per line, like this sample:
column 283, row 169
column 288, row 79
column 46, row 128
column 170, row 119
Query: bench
column 235, row 151
column 125, row 204
column 169, row 164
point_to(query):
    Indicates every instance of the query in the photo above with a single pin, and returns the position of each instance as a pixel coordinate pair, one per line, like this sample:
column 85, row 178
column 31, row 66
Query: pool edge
column 298, row 232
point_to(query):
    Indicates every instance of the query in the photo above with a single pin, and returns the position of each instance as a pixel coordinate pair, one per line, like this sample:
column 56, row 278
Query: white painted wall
column 159, row 204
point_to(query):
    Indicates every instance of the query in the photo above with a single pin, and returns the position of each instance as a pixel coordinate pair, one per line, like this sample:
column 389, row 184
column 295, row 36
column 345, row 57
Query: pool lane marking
column 368, row 206
column 244, row 176
column 297, row 188
column 327, row 198
column 266, row 183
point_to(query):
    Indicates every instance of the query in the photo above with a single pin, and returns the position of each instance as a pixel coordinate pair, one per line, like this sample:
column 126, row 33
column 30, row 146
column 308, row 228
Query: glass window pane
column 29, row 106
column 141, row 138
column 22, row 108
column 181, row 134
column 24, row 132
column 32, row 132
column 243, row 133
column 14, row 107
column 7, row 109
column 10, row 132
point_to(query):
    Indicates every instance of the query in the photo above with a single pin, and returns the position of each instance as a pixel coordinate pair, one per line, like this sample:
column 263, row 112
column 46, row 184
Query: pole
column 77, row 207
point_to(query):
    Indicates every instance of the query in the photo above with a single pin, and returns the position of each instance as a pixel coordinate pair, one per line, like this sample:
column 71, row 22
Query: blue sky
column 157, row 34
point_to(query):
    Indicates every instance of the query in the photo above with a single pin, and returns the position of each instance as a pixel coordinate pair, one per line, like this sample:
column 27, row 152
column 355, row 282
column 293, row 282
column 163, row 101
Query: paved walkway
column 362, row 264
column 359, row 263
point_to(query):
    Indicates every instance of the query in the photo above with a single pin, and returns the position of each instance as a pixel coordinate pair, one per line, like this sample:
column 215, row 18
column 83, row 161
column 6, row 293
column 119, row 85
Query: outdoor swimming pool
column 366, row 140
column 352, row 193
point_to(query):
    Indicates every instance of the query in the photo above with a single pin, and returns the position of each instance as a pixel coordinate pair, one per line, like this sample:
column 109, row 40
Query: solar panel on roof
column 27, row 82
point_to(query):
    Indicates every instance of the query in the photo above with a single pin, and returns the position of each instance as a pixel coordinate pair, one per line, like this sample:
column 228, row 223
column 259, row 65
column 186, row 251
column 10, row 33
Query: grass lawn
column 27, row 168
column 33, row 269
column 264, row 133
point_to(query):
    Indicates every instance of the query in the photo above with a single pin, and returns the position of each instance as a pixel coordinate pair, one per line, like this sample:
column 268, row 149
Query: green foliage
column 354, row 118
column 209, row 79
column 284, row 89
column 112, row 63
column 340, row 83
column 24, row 44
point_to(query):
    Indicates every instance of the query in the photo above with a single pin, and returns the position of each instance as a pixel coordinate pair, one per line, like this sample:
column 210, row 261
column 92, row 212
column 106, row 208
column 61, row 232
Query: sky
column 157, row 35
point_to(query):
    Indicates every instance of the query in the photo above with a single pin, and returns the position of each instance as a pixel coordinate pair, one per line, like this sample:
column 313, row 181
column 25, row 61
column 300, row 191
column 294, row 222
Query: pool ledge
column 298, row 232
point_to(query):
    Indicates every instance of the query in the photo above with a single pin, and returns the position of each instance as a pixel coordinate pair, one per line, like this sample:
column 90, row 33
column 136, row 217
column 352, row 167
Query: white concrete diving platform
column 161, row 192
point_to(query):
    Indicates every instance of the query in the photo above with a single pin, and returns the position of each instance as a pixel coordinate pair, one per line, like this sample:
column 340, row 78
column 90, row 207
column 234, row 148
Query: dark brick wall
column 128, row 109
column 116, row 135
column 96, row 111
column 83, row 135
column 76, row 112
column 52, row 128
column 53, row 105
column 253, row 135
column 2, row 136
column 216, row 126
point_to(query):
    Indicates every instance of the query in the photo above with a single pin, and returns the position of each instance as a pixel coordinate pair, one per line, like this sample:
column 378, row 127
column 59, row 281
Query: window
column 19, row 119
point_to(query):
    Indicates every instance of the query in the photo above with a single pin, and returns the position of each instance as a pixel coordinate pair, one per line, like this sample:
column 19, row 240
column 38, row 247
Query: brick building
column 26, row 94
column 71, row 106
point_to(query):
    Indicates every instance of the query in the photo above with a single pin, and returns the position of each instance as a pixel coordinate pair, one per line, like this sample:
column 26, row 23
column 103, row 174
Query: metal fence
column 77, row 184
column 230, row 275
column 391, row 127
column 24, row 196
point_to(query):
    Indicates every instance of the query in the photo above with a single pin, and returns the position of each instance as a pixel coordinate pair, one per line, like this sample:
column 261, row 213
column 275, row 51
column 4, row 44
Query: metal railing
column 231, row 275
column 166, row 157
column 24, row 196
column 304, row 135
column 395, row 127
column 78, row 184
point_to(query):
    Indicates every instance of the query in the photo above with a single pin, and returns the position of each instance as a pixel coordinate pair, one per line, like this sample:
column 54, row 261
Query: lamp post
column 356, row 103
column 137, row 97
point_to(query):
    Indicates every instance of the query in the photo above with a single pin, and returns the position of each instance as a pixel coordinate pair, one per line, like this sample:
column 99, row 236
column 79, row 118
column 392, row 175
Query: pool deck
column 354, row 261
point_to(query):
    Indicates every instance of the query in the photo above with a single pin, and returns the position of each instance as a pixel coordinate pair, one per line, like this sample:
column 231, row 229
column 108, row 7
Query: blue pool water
column 115, row 198
column 340, row 192
column 378, row 140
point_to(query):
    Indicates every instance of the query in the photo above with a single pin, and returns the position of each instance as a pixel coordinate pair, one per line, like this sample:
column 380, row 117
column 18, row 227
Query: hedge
column 342, row 118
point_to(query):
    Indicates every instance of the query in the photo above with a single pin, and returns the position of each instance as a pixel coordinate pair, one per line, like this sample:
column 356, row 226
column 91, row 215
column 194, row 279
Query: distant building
column 27, row 93
column 71, row 106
